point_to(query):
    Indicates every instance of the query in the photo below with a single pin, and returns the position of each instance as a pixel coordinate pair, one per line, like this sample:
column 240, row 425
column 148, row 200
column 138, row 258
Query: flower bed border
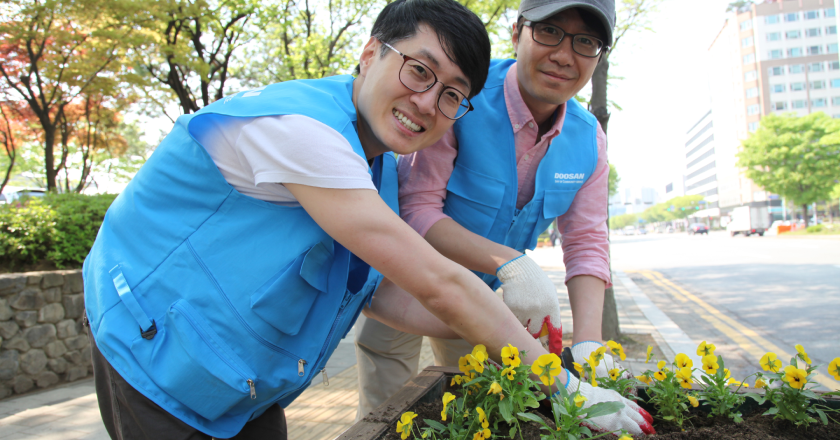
column 432, row 382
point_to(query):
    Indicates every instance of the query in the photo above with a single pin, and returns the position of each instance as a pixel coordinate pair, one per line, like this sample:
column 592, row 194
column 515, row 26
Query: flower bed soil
column 422, row 396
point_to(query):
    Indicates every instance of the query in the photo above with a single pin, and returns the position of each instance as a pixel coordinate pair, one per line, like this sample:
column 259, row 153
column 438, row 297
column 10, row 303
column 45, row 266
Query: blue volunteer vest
column 481, row 193
column 216, row 305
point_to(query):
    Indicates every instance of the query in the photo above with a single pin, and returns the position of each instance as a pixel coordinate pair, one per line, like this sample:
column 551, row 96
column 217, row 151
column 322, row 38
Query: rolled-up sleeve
column 584, row 225
column 423, row 176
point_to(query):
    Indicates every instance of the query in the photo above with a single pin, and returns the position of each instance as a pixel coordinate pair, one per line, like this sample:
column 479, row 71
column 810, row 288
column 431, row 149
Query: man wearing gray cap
column 527, row 155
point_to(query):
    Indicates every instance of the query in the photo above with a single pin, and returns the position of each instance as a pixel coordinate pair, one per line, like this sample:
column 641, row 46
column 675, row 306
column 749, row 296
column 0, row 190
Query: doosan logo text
column 569, row 176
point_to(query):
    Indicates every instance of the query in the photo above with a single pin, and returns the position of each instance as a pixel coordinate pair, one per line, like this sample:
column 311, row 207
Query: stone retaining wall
column 42, row 340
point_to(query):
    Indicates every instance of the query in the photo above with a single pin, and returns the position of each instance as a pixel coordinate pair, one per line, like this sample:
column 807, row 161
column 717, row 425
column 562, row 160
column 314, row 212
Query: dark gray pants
column 129, row 415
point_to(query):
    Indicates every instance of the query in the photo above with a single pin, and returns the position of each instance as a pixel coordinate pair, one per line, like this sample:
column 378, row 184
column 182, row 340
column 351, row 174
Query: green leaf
column 758, row 398
column 603, row 408
column 435, row 424
column 531, row 402
column 811, row 395
column 531, row 417
column 823, row 418
column 669, row 418
column 512, row 433
column 560, row 408
column 771, row 411
column 505, row 408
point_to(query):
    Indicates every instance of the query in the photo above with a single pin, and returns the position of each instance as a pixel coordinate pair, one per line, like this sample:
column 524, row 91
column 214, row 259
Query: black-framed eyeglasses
column 419, row 78
column 551, row 35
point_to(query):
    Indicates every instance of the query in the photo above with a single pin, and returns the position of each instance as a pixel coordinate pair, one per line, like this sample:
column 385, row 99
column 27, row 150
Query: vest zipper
column 326, row 379
column 224, row 357
column 301, row 363
column 252, row 386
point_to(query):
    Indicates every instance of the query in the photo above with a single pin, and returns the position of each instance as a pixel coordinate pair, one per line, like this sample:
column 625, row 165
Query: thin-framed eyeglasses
column 551, row 35
column 418, row 77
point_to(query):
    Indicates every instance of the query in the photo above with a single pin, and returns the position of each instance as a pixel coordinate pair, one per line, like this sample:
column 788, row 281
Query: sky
column 663, row 92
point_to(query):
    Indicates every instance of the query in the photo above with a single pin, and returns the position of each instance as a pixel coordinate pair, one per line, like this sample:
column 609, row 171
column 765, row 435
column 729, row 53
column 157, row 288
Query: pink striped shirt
column 423, row 177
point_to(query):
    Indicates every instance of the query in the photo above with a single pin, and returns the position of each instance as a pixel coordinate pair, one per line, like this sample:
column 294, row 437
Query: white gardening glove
column 631, row 418
column 532, row 297
column 582, row 350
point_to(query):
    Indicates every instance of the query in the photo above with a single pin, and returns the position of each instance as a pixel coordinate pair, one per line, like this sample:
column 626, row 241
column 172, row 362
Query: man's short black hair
column 461, row 33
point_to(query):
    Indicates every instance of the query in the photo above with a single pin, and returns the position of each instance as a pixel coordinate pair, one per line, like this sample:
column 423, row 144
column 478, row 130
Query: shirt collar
column 518, row 111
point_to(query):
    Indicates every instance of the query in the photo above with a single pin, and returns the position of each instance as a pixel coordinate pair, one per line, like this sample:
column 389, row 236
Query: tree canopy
column 795, row 157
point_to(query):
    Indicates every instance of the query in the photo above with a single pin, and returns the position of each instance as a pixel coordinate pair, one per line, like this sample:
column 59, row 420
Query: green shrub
column 58, row 229
column 815, row 229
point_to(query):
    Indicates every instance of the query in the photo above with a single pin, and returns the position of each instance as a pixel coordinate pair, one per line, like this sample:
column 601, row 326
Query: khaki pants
column 386, row 359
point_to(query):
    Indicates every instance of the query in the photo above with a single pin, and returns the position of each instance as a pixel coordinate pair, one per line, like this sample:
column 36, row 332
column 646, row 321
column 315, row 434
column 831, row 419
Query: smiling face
column 551, row 75
column 390, row 116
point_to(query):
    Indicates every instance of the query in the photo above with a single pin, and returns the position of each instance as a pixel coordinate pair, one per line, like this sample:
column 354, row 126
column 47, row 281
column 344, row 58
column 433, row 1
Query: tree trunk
column 805, row 213
column 598, row 106
column 49, row 157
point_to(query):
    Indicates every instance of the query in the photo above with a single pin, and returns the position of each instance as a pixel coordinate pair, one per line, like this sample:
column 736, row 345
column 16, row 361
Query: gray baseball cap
column 537, row 10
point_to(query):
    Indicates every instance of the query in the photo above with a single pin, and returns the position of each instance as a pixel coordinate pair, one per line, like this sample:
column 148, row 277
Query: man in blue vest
column 528, row 154
column 225, row 274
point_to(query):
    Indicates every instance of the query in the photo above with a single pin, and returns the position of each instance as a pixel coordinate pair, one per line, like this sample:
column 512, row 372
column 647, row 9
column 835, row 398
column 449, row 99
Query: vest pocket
column 557, row 202
column 284, row 300
column 473, row 199
column 208, row 377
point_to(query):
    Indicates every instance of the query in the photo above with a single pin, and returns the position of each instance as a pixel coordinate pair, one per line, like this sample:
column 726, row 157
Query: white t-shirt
column 257, row 155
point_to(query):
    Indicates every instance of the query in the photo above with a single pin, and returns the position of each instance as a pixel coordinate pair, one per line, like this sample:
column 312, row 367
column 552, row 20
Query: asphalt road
column 748, row 295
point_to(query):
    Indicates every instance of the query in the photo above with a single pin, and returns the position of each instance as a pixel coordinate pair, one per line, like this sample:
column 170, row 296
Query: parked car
column 697, row 228
column 11, row 196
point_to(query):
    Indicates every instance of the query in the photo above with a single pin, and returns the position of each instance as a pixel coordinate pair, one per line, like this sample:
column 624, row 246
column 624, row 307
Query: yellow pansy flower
column 404, row 424
column 647, row 380
column 684, row 377
column 597, row 355
column 482, row 434
column 726, row 373
column 802, row 354
column 456, row 380
column 834, row 368
column 547, row 365
column 447, row 397
column 479, row 353
column 659, row 375
column 616, row 349
column 510, row 356
column 649, row 353
column 732, row 381
column 464, row 364
column 710, row 364
column 482, row 417
column 580, row 369
column 705, row 349
column 693, row 401
column 661, row 364
column 579, row 400
column 795, row 377
column 614, row 373
column 495, row 388
column 625, row 437
column 760, row 383
column 683, row 361
column 770, row 362
column 509, row 372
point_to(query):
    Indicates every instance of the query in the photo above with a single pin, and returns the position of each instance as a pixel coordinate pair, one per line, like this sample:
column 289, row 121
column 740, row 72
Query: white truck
column 749, row 220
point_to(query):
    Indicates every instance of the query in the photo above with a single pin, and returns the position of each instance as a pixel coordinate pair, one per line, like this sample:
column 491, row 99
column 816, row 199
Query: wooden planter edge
column 420, row 388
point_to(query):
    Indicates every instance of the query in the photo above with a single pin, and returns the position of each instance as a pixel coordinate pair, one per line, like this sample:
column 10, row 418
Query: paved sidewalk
column 322, row 412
